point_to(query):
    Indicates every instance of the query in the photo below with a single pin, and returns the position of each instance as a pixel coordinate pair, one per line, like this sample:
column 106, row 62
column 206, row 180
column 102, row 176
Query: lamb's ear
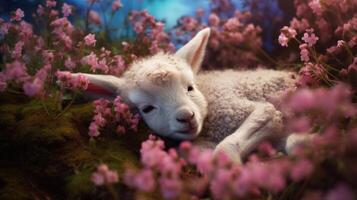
column 193, row 52
column 103, row 86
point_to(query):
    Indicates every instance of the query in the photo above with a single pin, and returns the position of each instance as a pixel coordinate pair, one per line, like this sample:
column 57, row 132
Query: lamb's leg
column 296, row 140
column 262, row 123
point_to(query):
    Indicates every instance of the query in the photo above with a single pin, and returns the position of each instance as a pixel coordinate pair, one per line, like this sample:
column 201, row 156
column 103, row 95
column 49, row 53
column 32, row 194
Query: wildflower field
column 57, row 144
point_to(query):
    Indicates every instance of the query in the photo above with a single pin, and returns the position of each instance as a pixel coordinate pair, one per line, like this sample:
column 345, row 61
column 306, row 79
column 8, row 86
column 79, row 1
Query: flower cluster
column 66, row 79
column 104, row 176
column 150, row 32
column 233, row 38
column 31, row 61
column 122, row 116
column 328, row 40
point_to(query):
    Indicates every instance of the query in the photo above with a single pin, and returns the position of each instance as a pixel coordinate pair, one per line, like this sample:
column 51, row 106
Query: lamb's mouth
column 187, row 134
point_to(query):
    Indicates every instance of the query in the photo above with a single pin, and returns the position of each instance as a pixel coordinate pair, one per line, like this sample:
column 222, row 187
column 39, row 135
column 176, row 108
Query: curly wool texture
column 233, row 95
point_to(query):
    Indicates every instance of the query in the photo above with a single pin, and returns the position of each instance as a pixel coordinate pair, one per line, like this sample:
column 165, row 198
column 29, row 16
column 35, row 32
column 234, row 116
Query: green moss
column 79, row 184
column 57, row 151
column 8, row 116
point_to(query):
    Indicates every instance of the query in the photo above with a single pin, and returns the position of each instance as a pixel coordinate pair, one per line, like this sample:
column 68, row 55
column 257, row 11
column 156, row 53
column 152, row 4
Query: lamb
column 224, row 110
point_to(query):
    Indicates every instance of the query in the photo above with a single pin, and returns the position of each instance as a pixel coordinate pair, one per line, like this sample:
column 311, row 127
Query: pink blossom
column 93, row 130
column 40, row 10
column 170, row 187
column 17, row 51
column 204, row 162
column 340, row 43
column 90, row 40
column 213, row 19
column 301, row 169
column 316, row 7
column 67, row 81
column 232, row 24
column 33, row 88
column 288, row 32
column 310, row 38
column 17, row 15
column 47, row 56
column 304, row 53
column 145, row 181
column 16, row 71
column 283, row 40
column 220, row 184
column 4, row 28
column 341, row 191
column 66, row 10
column 301, row 25
column 90, row 60
column 69, row 63
column 116, row 5
column 51, row 3
column 94, row 17
column 104, row 176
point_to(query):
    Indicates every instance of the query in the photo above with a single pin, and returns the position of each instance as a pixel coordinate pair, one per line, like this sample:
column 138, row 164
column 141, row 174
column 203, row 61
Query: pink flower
column 69, row 64
column 145, row 181
column 213, row 19
column 116, row 5
column 232, row 24
column 310, row 38
column 304, row 53
column 104, row 176
column 93, row 130
column 316, row 7
column 16, row 71
column 17, row 15
column 299, row 25
column 66, row 10
column 81, row 82
column 283, row 40
column 40, row 10
column 301, row 169
column 288, row 32
column 90, row 40
column 340, row 43
column 91, row 60
column 94, row 17
column 204, row 162
column 170, row 187
column 341, row 191
column 220, row 184
column 17, row 52
column 33, row 88
column 51, row 3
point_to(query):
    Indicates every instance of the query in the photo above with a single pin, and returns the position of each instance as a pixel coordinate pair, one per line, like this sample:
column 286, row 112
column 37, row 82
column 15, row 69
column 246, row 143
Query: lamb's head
column 164, row 90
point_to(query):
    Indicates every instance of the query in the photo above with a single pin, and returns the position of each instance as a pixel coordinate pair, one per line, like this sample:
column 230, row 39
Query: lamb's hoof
column 297, row 140
column 230, row 150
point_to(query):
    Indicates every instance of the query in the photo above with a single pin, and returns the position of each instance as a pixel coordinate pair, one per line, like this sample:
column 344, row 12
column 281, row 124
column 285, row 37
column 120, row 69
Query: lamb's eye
column 148, row 109
column 190, row 88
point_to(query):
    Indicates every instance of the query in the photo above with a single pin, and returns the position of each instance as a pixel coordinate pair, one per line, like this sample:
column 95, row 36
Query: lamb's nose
column 184, row 115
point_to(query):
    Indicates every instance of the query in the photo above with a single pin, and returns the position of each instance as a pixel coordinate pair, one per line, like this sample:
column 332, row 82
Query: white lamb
column 226, row 110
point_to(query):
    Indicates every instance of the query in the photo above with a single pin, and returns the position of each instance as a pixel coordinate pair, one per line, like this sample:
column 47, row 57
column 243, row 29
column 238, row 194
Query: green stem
column 67, row 107
column 268, row 57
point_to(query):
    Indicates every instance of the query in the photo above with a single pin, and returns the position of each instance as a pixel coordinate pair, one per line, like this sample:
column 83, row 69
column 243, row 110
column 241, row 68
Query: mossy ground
column 47, row 153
